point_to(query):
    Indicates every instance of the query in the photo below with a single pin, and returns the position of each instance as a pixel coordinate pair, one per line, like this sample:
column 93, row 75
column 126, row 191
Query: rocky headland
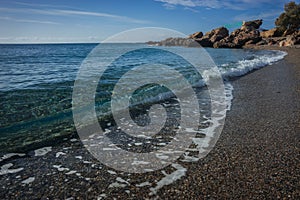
column 249, row 34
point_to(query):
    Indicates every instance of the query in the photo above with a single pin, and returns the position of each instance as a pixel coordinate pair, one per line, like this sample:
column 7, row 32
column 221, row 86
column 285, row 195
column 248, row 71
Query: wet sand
column 258, row 153
column 256, row 157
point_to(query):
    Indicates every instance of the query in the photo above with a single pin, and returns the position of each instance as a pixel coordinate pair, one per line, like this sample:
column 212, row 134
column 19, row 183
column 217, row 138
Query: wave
column 242, row 67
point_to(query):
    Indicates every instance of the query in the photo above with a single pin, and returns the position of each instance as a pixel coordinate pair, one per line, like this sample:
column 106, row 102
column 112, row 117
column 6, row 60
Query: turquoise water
column 36, row 84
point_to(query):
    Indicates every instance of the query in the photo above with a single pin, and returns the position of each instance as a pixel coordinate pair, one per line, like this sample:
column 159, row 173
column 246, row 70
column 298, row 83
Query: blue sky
column 47, row 21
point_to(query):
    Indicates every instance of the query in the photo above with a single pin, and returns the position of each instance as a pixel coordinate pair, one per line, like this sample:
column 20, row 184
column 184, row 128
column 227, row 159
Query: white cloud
column 61, row 12
column 27, row 20
column 229, row 4
column 191, row 9
column 192, row 3
column 169, row 6
column 38, row 5
column 98, row 14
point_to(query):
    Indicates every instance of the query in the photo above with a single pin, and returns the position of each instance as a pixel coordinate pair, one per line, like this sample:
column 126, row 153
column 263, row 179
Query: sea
column 37, row 83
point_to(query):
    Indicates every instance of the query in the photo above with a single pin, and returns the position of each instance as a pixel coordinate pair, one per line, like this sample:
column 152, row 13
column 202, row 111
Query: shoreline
column 257, row 155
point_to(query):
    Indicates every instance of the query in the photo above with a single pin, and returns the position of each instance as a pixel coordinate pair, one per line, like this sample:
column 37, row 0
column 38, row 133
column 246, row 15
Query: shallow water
column 36, row 83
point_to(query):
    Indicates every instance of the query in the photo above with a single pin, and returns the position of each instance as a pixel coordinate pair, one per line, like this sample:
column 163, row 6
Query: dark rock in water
column 175, row 42
column 196, row 35
column 152, row 43
column 192, row 43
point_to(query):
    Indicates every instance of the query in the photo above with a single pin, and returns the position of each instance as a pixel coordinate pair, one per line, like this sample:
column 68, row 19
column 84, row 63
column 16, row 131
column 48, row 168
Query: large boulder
column 219, row 34
column 224, row 43
column 274, row 40
column 213, row 36
column 288, row 32
column 262, row 42
column 274, row 32
column 196, row 35
column 291, row 40
column 205, row 42
column 244, row 37
column 251, row 25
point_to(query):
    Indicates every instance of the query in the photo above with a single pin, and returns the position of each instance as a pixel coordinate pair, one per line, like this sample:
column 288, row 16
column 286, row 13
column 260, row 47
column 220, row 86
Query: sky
column 63, row 21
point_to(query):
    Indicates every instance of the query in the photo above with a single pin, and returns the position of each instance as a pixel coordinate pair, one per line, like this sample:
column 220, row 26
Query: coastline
column 257, row 155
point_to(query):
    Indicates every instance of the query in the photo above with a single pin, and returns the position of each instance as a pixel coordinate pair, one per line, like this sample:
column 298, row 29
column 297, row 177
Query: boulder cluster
column 248, row 34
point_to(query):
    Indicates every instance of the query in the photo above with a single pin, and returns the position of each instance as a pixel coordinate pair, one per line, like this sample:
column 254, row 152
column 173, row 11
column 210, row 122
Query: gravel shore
column 258, row 153
column 256, row 157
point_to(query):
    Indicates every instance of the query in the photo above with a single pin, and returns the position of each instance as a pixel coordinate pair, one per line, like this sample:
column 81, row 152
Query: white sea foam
column 243, row 67
column 119, row 179
column 71, row 172
column 78, row 157
column 28, row 180
column 5, row 169
column 187, row 158
column 9, row 155
column 59, row 154
column 229, row 70
column 204, row 145
column 101, row 196
column 136, row 162
column 143, row 184
column 169, row 178
column 117, row 185
column 112, row 172
column 60, row 168
column 42, row 151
